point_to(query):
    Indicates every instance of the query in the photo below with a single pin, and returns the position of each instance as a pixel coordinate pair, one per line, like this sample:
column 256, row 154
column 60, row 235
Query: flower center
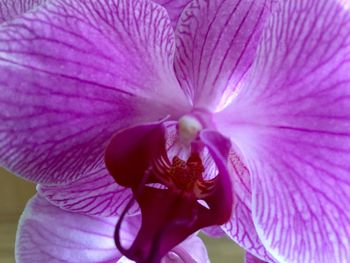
column 189, row 127
column 168, row 181
column 184, row 177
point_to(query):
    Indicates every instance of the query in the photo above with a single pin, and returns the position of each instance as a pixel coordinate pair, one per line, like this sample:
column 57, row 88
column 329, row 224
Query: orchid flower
column 237, row 117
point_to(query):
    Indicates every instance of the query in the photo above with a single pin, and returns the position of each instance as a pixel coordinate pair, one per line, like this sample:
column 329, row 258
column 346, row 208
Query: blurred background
column 14, row 193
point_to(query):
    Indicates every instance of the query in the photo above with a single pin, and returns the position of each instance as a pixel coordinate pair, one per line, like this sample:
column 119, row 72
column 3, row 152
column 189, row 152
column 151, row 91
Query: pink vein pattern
column 12, row 8
column 241, row 227
column 216, row 43
column 49, row 234
column 93, row 194
column 174, row 8
column 72, row 75
column 292, row 124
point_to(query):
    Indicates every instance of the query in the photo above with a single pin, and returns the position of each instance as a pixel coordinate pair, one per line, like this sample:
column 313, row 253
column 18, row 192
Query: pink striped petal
column 216, row 45
column 292, row 124
column 241, row 227
column 75, row 72
column 249, row 258
column 49, row 234
column 10, row 9
column 93, row 194
column 174, row 8
column 192, row 250
column 213, row 231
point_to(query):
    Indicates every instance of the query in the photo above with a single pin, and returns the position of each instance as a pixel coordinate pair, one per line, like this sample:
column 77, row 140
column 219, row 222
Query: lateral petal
column 49, row 234
column 95, row 193
column 241, row 227
column 292, row 124
column 75, row 72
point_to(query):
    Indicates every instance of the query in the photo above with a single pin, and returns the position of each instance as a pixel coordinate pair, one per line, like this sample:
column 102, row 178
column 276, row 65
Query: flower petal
column 219, row 148
column 214, row 231
column 10, row 9
column 75, row 72
column 130, row 151
column 216, row 45
column 249, row 258
column 93, row 194
column 192, row 250
column 241, row 227
column 292, row 124
column 49, row 234
column 174, row 8
column 242, row 230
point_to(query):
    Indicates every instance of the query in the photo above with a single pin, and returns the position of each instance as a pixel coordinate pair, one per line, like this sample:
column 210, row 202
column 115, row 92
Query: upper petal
column 10, row 9
column 174, row 8
column 216, row 43
column 292, row 124
column 75, row 72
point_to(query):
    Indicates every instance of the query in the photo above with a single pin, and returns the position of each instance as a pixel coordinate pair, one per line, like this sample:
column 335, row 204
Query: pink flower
column 244, row 105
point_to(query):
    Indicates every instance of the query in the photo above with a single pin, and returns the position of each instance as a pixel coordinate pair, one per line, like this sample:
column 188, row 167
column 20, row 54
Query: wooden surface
column 14, row 193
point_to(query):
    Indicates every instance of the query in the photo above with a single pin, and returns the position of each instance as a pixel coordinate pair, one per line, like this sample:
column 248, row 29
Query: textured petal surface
column 49, row 234
column 249, row 258
column 292, row 124
column 174, row 8
column 216, row 43
column 214, row 231
column 192, row 250
column 74, row 72
column 12, row 8
column 241, row 227
column 93, row 194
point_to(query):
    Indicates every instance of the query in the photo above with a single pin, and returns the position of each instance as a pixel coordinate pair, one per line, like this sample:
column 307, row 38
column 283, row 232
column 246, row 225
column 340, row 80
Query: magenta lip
column 169, row 214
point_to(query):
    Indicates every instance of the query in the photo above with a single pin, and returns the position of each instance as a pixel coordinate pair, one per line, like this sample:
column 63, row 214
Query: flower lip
column 137, row 158
column 184, row 177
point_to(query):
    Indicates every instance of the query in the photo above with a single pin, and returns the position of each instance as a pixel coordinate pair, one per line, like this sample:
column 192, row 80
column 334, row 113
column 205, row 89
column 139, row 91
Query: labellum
column 176, row 195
